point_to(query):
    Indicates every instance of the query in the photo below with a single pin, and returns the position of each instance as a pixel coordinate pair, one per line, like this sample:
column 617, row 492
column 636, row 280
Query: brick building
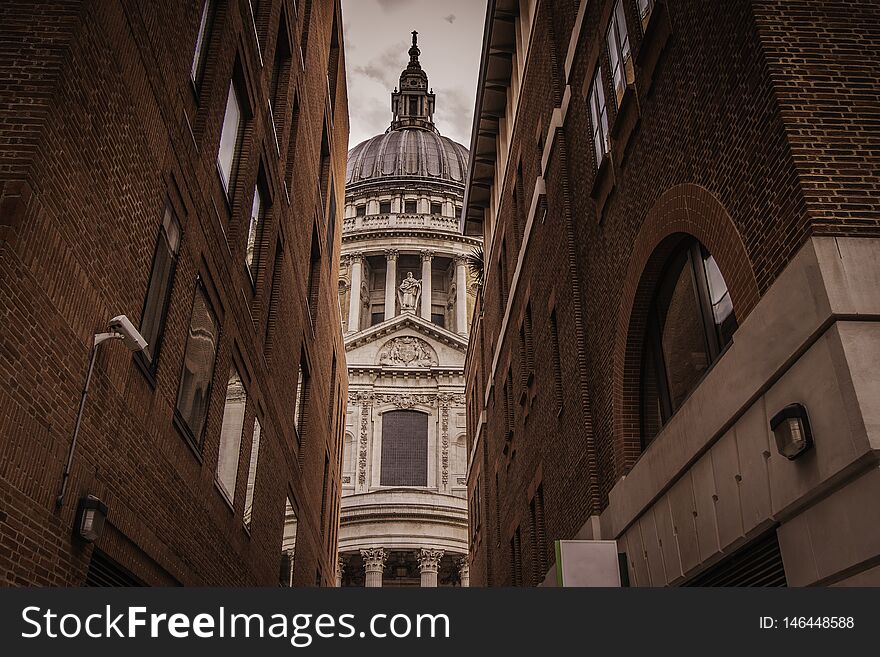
column 679, row 206
column 181, row 164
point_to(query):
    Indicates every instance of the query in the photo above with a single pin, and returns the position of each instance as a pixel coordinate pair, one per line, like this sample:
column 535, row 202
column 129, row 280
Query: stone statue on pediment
column 410, row 293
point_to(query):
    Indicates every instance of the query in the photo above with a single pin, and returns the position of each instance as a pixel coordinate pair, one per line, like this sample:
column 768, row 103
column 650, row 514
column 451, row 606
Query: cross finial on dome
column 414, row 51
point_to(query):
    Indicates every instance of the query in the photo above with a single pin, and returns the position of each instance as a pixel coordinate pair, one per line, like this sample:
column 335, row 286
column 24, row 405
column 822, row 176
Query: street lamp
column 120, row 329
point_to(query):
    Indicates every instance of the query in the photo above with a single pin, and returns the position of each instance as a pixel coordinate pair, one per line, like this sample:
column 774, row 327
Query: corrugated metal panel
column 757, row 564
column 103, row 571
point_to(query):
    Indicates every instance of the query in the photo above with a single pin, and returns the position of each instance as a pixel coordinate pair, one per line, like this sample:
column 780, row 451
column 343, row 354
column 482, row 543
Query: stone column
column 427, row 257
column 461, row 326
column 429, row 562
column 354, row 300
column 374, row 564
column 464, row 571
column 340, row 569
column 390, row 283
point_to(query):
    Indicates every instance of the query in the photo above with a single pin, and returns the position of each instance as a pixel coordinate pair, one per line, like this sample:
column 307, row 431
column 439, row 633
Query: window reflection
column 156, row 303
column 230, row 435
column 198, row 365
column 690, row 323
column 229, row 137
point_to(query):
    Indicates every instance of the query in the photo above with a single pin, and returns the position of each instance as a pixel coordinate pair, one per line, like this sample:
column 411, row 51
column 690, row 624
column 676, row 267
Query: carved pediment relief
column 408, row 351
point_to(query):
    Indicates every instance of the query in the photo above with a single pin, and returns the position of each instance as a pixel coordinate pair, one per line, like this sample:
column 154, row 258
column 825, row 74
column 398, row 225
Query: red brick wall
column 109, row 144
column 743, row 114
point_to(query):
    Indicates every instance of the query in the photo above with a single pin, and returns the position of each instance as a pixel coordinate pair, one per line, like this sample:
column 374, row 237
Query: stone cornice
column 408, row 320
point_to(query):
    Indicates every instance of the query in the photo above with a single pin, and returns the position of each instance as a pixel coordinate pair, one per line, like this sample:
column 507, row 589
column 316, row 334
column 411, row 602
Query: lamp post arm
column 93, row 352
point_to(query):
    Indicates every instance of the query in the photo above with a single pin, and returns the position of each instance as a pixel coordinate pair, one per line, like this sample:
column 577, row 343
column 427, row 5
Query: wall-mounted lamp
column 90, row 517
column 121, row 328
column 791, row 427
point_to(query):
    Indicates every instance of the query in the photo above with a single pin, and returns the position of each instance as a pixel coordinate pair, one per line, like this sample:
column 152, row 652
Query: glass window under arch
column 690, row 323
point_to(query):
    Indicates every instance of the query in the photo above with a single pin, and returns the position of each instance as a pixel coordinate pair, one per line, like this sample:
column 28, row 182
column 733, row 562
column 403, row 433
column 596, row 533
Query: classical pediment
column 407, row 342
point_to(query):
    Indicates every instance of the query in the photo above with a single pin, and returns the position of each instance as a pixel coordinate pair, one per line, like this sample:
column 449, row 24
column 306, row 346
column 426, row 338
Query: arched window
column 347, row 454
column 404, row 449
column 459, row 455
column 690, row 322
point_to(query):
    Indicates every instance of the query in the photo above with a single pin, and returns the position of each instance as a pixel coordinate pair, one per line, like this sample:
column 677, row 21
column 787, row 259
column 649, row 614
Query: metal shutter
column 103, row 571
column 404, row 449
column 757, row 564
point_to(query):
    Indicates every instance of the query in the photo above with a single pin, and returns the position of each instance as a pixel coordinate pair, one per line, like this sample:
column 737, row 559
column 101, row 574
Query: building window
column 439, row 319
column 377, row 317
column 516, row 559
column 325, row 168
column 302, row 398
column 618, row 52
column 201, row 50
column 230, row 435
column 252, row 472
column 502, row 278
column 347, row 454
column 280, row 76
column 645, row 9
column 314, row 278
column 410, row 207
column 230, row 138
column 436, row 208
column 360, row 211
column 508, row 402
column 384, row 207
column 538, row 536
column 690, row 322
column 556, row 357
column 159, row 288
column 476, row 509
column 199, row 354
column 599, row 117
column 404, row 449
column 288, row 545
column 324, row 495
column 255, row 234
column 274, row 297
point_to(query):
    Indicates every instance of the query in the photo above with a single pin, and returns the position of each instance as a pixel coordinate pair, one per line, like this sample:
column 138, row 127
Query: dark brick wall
column 756, row 127
column 109, row 129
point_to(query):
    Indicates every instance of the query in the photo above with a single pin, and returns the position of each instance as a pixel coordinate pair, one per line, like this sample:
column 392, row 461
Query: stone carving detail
column 448, row 399
column 429, row 560
column 374, row 559
column 444, row 444
column 407, row 400
column 366, row 401
column 408, row 351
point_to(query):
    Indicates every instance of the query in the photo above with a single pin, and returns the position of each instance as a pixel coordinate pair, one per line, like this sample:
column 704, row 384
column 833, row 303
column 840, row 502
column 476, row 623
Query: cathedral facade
column 406, row 299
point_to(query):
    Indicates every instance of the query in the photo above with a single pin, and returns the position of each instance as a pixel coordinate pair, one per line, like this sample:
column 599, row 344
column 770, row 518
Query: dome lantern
column 413, row 105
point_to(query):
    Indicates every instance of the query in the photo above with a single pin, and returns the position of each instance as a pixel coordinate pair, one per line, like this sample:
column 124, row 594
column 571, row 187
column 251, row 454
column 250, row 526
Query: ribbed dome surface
column 407, row 153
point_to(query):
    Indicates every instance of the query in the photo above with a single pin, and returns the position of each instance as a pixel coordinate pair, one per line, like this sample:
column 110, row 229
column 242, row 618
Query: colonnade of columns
column 354, row 308
column 429, row 565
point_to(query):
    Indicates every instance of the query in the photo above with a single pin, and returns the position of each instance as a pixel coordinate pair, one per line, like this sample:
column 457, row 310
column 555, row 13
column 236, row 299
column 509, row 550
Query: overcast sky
column 377, row 37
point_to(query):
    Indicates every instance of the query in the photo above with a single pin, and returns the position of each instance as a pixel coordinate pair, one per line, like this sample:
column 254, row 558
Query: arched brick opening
column 684, row 210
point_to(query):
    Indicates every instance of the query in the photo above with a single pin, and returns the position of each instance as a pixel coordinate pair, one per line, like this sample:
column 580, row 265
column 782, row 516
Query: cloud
column 449, row 19
column 391, row 5
column 386, row 67
column 455, row 113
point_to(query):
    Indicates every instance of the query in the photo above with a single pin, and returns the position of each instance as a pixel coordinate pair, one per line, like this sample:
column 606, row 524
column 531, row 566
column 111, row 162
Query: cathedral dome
column 407, row 153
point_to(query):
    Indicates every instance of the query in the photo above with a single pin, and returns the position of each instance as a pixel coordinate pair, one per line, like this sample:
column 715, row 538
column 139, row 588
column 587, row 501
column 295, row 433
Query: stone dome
column 409, row 152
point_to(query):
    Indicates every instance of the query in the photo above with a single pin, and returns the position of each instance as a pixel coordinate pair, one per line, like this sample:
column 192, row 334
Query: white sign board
column 587, row 563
